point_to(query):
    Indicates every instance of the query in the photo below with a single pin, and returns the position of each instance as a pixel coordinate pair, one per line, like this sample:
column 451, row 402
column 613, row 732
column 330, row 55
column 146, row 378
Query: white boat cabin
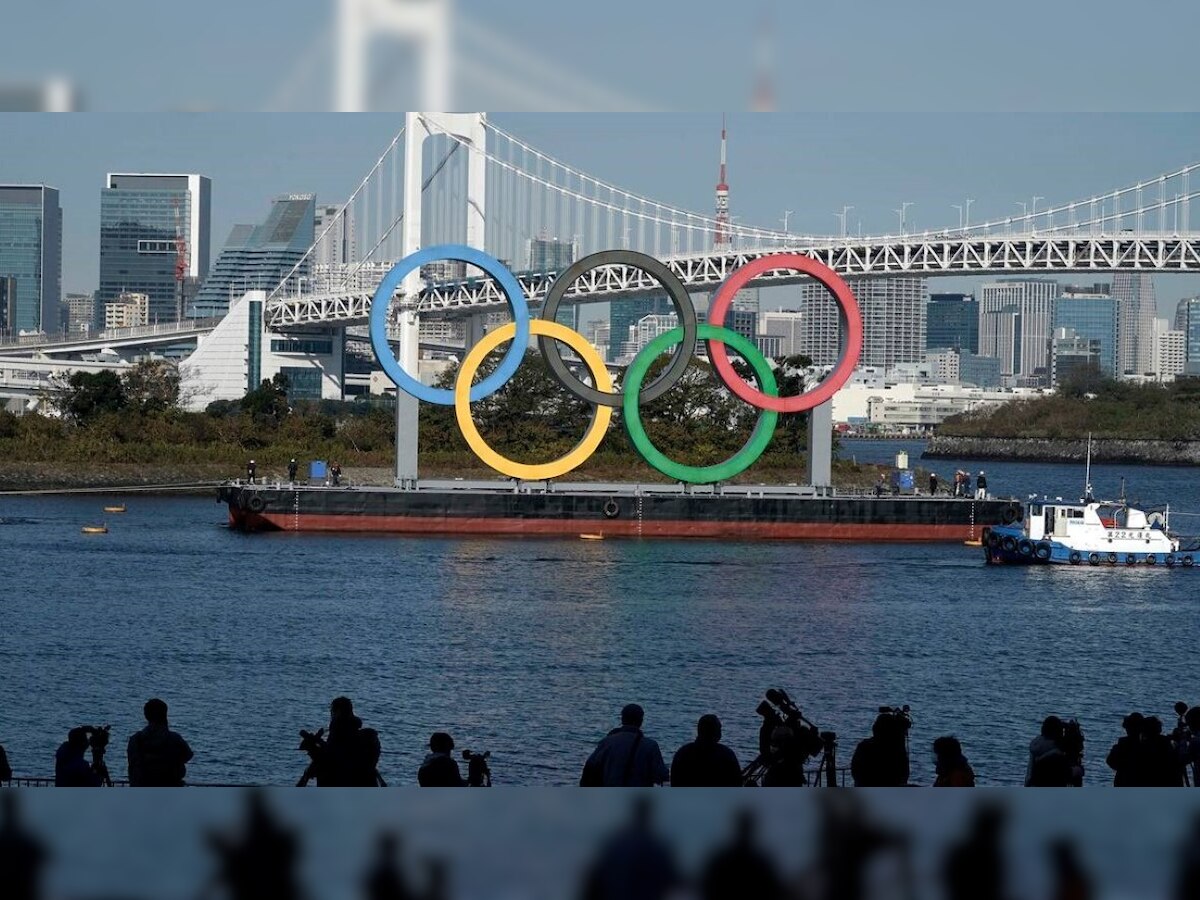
column 1098, row 526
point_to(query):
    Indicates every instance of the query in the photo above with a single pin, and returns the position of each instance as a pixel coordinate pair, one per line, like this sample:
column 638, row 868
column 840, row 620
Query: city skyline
column 774, row 161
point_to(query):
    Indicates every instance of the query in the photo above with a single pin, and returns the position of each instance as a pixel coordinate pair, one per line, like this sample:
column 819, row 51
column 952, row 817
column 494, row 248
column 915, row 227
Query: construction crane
column 181, row 260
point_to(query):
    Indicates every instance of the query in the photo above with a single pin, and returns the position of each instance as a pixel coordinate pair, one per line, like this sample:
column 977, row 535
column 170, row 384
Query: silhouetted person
column 22, row 856
column 292, row 468
column 625, row 757
column 385, row 880
column 1189, row 749
column 5, row 770
column 251, row 469
column 785, row 760
column 335, row 473
column 158, row 756
column 1071, row 882
column 440, row 768
column 260, row 864
column 981, row 486
column 706, row 762
column 633, row 864
column 1163, row 767
column 70, row 767
column 351, row 757
column 437, row 880
column 1187, row 881
column 951, row 766
column 881, row 760
column 847, row 843
column 933, row 483
column 975, row 869
column 741, row 869
column 1049, row 765
column 1126, row 758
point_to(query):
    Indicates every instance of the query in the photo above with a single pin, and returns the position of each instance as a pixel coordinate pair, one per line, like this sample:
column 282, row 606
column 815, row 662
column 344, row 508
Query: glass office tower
column 31, row 256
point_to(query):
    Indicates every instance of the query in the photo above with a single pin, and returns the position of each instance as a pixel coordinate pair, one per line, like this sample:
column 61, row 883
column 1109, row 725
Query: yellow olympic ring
column 591, row 438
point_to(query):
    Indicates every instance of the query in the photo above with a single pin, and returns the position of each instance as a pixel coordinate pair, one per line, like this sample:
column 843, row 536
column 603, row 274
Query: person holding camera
column 625, row 757
column 706, row 762
column 70, row 767
column 351, row 753
column 439, row 768
column 882, row 759
column 158, row 756
column 1056, row 755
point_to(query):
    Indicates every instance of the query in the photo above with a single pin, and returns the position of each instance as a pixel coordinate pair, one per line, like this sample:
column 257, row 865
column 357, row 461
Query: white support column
column 820, row 445
column 417, row 127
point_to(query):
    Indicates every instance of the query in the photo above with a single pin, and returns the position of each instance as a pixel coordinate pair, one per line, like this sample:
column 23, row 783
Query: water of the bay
column 529, row 647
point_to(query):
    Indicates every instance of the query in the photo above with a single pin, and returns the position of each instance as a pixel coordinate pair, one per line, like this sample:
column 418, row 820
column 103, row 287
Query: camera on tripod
column 97, row 738
column 312, row 743
column 779, row 711
column 478, row 773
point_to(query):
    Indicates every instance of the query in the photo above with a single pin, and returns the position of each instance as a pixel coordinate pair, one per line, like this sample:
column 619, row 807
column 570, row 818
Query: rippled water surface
column 528, row 647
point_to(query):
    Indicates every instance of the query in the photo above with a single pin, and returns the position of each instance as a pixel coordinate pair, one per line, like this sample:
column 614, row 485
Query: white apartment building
column 1015, row 320
column 128, row 311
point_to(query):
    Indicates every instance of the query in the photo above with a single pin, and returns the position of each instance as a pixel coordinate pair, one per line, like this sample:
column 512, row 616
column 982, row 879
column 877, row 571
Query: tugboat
column 1091, row 531
column 1095, row 532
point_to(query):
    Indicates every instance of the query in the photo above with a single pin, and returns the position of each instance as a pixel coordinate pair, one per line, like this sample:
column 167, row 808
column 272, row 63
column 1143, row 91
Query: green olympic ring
column 764, row 429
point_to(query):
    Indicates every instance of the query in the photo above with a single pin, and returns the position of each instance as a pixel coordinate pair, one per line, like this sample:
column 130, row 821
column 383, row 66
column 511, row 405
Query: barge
column 781, row 512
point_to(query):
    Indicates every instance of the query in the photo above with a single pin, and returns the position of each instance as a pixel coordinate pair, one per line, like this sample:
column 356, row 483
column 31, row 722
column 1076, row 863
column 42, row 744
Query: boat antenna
column 1087, row 473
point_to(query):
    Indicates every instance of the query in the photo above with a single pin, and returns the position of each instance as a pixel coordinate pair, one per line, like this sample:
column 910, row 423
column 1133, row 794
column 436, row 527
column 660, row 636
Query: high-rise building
column 81, row 313
column 624, row 314
column 154, row 239
column 893, row 312
column 1028, row 305
column 1137, row 309
column 338, row 247
column 8, row 302
column 1091, row 315
column 1072, row 354
column 1181, row 314
column 1191, row 337
column 31, row 255
column 128, row 311
column 785, row 324
column 952, row 320
column 260, row 257
column 1169, row 350
column 743, row 322
column 1000, row 338
column 547, row 254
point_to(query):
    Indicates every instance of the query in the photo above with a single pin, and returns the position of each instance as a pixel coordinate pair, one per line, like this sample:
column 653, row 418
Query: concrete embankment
column 1154, row 453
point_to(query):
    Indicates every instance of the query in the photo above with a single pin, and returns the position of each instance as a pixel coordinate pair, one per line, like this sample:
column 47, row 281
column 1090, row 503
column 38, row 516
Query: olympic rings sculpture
column 600, row 393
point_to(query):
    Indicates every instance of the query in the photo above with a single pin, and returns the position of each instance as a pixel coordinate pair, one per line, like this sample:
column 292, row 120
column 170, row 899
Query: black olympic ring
column 679, row 298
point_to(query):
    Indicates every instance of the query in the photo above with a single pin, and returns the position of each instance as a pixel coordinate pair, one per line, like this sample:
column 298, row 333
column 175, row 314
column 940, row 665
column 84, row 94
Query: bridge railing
column 111, row 334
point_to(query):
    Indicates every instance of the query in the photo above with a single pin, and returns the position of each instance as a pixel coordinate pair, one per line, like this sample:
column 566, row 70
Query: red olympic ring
column 848, row 313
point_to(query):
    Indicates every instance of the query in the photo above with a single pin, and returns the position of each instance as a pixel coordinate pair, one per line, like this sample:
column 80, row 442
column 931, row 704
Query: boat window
column 1035, row 509
column 1077, row 514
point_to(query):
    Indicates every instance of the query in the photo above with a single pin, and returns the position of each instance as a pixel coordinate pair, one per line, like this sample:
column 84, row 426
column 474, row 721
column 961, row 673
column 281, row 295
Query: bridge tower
column 469, row 128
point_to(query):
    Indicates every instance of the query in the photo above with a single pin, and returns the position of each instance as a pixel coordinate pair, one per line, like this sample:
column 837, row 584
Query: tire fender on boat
column 611, row 508
column 256, row 504
column 1169, row 559
column 1008, row 543
column 1011, row 514
column 1187, row 561
column 1042, row 550
column 1112, row 559
column 1075, row 558
column 1094, row 559
column 1025, row 547
column 993, row 540
column 1130, row 559
column 1151, row 559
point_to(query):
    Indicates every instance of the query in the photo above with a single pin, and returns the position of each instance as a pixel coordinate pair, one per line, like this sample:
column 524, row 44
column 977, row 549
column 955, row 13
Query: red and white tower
column 722, row 239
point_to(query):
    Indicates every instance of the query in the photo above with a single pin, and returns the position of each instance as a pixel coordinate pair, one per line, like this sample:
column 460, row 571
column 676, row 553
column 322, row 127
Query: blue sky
column 812, row 164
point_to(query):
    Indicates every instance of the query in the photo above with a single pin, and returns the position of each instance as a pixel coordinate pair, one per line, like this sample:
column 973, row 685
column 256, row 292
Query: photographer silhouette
column 158, row 756
column 348, row 757
column 70, row 767
column 882, row 759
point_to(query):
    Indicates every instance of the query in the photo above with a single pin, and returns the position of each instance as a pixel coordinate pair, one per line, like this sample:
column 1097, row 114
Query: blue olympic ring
column 460, row 253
